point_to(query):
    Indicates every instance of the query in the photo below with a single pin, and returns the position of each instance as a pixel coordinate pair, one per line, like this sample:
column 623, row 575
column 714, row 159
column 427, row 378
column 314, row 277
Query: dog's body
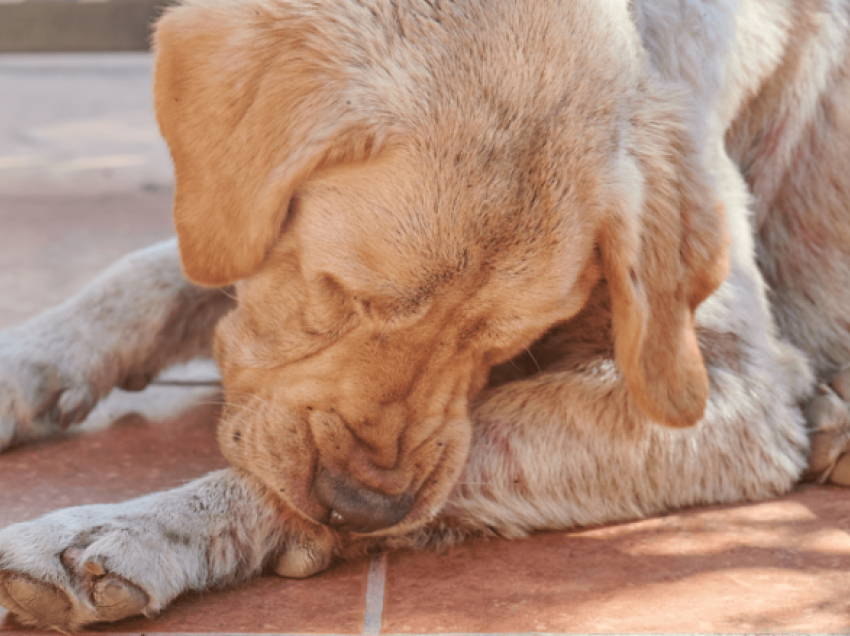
column 527, row 192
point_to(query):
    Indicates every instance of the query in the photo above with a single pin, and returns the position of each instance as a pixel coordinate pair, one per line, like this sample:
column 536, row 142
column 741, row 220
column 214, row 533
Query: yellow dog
column 499, row 266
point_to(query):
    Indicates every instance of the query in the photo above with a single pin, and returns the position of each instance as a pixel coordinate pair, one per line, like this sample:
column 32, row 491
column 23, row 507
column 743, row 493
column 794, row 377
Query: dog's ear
column 250, row 104
column 661, row 261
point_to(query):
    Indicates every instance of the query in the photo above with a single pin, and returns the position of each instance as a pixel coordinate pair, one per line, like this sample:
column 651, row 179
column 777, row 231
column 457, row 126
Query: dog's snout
column 357, row 507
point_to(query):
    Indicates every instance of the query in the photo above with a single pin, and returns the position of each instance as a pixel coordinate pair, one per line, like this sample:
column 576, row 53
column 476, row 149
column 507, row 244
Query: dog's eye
column 291, row 211
column 331, row 290
column 329, row 312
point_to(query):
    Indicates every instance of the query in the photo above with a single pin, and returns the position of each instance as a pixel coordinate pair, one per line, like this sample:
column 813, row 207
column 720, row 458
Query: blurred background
column 34, row 26
column 84, row 175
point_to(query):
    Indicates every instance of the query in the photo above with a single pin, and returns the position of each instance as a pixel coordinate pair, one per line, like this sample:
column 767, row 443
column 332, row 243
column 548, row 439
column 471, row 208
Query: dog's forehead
column 500, row 185
column 405, row 232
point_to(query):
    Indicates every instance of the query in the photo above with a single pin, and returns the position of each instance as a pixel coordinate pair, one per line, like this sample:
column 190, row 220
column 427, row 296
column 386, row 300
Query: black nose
column 358, row 508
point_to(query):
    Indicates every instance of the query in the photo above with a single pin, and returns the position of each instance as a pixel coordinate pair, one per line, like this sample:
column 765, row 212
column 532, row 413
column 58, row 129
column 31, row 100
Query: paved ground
column 84, row 178
column 79, row 125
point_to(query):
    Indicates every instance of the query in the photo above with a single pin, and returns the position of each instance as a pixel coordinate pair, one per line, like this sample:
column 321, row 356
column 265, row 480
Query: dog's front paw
column 45, row 384
column 107, row 562
column 83, row 565
column 828, row 416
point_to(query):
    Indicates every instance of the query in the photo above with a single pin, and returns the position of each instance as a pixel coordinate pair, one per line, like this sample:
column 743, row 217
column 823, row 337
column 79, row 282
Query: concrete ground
column 85, row 178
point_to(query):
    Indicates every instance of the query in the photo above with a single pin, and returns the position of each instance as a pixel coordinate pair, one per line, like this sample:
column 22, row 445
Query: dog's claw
column 70, row 556
column 94, row 568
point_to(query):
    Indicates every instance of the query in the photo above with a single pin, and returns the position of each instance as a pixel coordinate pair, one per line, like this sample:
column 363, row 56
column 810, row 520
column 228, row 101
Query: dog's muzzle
column 353, row 506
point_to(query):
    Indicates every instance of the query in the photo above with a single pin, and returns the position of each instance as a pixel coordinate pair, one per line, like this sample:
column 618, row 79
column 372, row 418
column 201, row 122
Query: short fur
column 495, row 272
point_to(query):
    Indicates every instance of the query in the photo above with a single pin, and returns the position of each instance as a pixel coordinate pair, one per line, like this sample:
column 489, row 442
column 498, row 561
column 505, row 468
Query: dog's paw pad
column 304, row 558
column 44, row 603
column 115, row 598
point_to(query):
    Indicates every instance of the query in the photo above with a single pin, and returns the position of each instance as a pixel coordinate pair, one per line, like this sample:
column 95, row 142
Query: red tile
column 771, row 567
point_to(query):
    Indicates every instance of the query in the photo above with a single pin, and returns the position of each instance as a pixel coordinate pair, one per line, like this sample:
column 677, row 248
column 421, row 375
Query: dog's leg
column 106, row 562
column 137, row 318
column 567, row 448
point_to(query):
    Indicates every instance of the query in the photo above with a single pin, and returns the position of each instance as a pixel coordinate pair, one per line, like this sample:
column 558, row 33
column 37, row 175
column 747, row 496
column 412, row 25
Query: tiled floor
column 779, row 566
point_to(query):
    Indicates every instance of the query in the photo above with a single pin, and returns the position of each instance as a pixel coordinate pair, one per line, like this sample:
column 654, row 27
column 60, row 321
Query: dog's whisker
column 531, row 355
column 228, row 291
column 241, row 407
column 186, row 383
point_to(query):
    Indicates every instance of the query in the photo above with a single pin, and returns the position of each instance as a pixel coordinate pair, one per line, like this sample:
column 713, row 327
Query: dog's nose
column 357, row 507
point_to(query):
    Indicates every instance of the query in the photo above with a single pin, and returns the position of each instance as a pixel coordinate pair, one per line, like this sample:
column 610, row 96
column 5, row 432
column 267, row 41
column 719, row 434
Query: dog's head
column 406, row 196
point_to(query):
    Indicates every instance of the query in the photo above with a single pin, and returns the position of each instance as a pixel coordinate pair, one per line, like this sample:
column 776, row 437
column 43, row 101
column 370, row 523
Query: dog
column 467, row 267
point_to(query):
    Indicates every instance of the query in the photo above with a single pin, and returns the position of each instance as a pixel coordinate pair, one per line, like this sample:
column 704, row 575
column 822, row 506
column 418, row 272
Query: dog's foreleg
column 106, row 562
column 121, row 330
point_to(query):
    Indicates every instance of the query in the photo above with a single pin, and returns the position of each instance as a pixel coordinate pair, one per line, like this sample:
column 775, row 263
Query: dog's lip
column 335, row 519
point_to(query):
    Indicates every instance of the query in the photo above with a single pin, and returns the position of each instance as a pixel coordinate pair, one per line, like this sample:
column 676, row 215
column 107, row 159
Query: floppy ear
column 250, row 104
column 661, row 261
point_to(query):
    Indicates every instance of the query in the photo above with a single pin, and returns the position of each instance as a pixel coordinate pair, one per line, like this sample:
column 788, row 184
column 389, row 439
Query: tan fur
column 494, row 265
column 369, row 319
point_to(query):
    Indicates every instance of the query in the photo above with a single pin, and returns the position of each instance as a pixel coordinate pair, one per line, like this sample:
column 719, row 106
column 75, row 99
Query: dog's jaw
column 291, row 468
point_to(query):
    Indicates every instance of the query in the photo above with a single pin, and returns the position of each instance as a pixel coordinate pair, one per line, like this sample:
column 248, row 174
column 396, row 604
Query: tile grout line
column 375, row 585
